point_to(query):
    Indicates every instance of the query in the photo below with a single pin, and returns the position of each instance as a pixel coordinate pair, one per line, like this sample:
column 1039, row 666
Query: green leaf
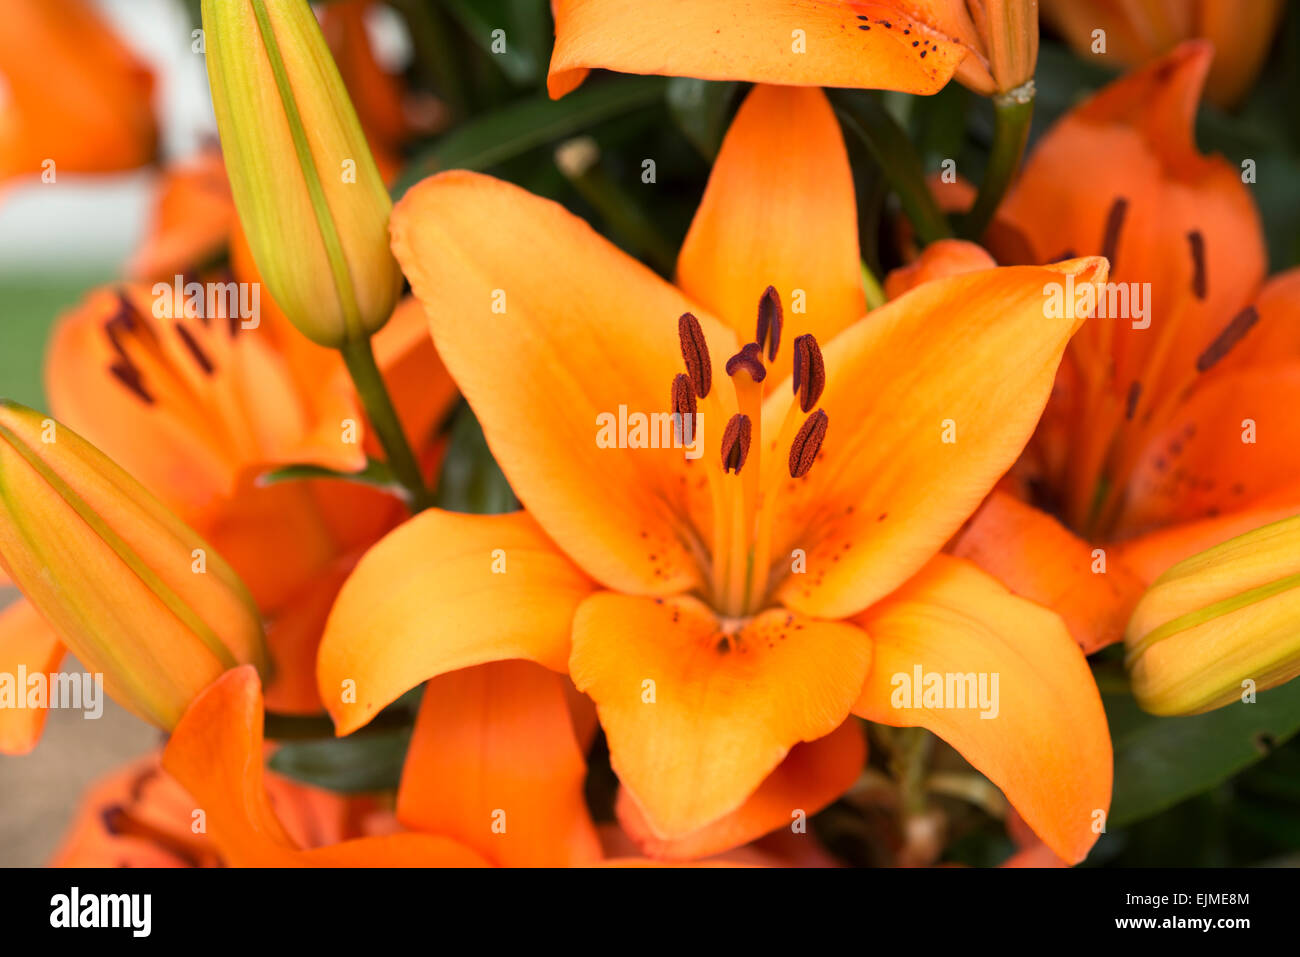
column 1161, row 761
column 376, row 474
column 701, row 109
column 526, row 30
column 471, row 480
column 355, row 764
column 515, row 129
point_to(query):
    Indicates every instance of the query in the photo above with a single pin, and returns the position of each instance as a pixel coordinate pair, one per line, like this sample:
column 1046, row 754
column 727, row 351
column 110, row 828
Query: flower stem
column 360, row 360
column 1012, row 112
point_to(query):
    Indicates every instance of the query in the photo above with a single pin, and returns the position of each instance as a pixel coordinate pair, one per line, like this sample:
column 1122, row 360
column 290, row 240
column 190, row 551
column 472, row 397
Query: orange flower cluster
column 822, row 512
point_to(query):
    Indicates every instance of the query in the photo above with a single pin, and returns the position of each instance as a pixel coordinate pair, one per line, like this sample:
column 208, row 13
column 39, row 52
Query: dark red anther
column 695, row 353
column 1197, row 243
column 808, row 442
column 1232, row 333
column 769, row 322
column 735, row 443
column 1114, row 223
column 809, row 371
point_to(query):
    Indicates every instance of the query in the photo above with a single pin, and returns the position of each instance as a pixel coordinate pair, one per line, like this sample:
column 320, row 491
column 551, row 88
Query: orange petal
column 182, row 403
column 494, row 764
column 697, row 717
column 1233, row 441
column 27, row 642
column 859, row 44
column 586, row 333
column 1276, row 335
column 96, row 116
column 946, row 257
column 812, row 776
column 1150, row 555
column 192, row 219
column 440, row 593
column 958, row 372
column 293, row 634
column 136, row 816
column 782, row 168
column 1044, row 743
column 215, row 752
column 422, row 388
column 1135, row 139
column 1040, row 559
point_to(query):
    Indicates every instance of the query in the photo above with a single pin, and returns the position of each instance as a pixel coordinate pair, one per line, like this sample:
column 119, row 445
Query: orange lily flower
column 717, row 620
column 73, row 93
column 1140, row 30
column 916, row 47
column 1167, row 432
column 197, row 410
column 139, row 816
column 516, row 773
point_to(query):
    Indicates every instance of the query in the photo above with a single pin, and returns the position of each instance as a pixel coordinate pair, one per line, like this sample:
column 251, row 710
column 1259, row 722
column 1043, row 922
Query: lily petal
column 959, row 372
column 443, row 592
column 1047, row 747
column 945, row 257
column 587, row 332
column 812, row 775
column 860, row 44
column 25, row 641
column 1149, row 190
column 695, row 717
column 494, row 763
column 97, row 116
column 215, row 752
column 782, row 167
column 1234, row 440
column 1040, row 559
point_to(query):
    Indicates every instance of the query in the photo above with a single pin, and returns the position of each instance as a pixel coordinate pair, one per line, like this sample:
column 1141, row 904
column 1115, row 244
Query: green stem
column 360, row 360
column 1012, row 112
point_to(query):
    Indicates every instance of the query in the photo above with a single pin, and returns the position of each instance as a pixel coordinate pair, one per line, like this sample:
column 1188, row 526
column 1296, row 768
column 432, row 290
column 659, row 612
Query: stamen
column 769, row 322
column 195, row 349
column 1233, row 333
column 806, row 445
column 1114, row 223
column 695, row 353
column 129, row 376
column 750, row 359
column 1131, row 402
column 1197, row 242
column 809, row 371
column 683, row 406
column 735, row 443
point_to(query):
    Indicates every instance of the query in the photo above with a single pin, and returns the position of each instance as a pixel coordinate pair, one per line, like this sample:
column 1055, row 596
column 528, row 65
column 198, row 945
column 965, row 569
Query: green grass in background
column 29, row 305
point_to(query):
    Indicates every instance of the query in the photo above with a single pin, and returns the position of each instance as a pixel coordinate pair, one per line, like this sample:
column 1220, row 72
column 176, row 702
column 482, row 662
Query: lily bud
column 309, row 196
column 133, row 591
column 1219, row 625
column 1005, row 57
